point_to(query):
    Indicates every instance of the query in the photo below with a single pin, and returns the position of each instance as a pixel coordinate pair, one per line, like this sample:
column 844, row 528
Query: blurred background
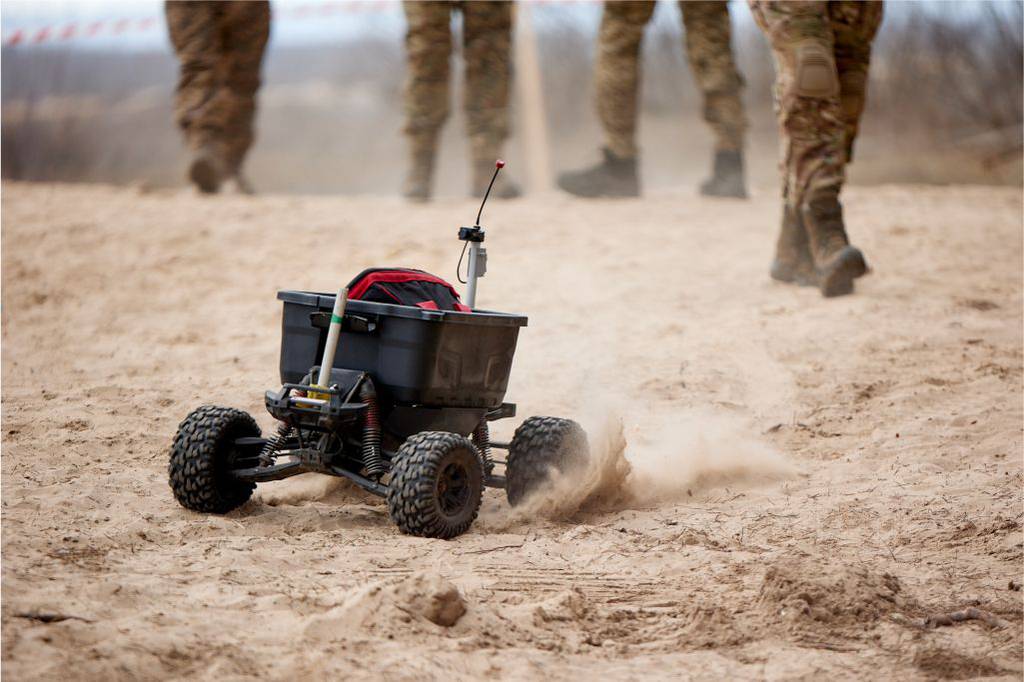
column 87, row 92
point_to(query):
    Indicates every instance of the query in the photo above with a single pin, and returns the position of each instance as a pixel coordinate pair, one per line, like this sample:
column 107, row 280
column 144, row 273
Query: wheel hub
column 453, row 488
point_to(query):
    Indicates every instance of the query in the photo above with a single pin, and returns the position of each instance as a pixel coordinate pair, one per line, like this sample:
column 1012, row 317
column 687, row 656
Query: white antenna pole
column 471, row 276
column 333, row 332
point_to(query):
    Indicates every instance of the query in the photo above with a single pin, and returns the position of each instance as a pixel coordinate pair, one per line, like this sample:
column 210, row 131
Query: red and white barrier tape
column 113, row 27
column 50, row 34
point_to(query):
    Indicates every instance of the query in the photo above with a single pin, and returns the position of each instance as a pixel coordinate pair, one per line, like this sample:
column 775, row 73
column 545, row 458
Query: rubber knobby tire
column 201, row 454
column 539, row 445
column 414, row 500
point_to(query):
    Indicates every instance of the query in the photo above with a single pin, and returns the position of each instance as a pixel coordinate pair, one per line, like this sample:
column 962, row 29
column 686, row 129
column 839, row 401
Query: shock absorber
column 371, row 431
column 274, row 443
column 482, row 441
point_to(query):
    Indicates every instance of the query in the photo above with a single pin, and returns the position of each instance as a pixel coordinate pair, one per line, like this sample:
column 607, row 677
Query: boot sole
column 838, row 280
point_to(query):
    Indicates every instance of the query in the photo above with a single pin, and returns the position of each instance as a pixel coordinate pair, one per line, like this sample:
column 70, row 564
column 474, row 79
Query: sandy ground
column 810, row 478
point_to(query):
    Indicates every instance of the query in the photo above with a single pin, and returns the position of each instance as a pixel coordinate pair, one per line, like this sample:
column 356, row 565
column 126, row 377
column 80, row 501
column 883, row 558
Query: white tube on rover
column 332, row 338
column 471, row 276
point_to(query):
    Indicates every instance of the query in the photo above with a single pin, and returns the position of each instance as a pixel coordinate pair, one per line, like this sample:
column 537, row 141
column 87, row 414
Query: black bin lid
column 323, row 301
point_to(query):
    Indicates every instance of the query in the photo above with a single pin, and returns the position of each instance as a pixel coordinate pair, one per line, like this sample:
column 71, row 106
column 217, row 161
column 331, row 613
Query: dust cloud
column 691, row 453
column 701, row 450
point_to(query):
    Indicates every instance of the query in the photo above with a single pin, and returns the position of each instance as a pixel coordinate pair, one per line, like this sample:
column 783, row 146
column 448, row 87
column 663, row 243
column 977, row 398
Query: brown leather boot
column 419, row 180
column 793, row 262
column 836, row 262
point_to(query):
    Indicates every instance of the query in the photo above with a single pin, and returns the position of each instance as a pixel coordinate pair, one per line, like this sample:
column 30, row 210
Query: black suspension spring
column 274, row 443
column 371, row 431
column 482, row 441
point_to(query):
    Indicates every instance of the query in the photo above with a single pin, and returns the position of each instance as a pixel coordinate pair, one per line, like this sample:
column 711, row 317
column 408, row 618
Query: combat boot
column 613, row 177
column 793, row 262
column 504, row 187
column 726, row 176
column 836, row 262
column 206, row 169
column 418, row 182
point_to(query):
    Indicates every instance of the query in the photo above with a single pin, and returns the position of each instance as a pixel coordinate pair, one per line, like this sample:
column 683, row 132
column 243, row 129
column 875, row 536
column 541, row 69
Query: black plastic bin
column 415, row 356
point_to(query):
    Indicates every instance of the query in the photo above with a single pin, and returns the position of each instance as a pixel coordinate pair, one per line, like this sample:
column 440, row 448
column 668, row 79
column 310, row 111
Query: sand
column 808, row 479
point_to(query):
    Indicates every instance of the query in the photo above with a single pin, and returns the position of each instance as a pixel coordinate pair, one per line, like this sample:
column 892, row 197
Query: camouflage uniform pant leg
column 617, row 73
column 194, row 29
column 219, row 47
column 806, row 96
column 854, row 25
column 428, row 46
column 245, row 32
column 709, row 51
column 487, row 45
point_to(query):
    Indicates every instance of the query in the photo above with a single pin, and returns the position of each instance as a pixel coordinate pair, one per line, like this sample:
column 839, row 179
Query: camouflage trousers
column 487, row 51
column 709, row 51
column 822, row 51
column 220, row 47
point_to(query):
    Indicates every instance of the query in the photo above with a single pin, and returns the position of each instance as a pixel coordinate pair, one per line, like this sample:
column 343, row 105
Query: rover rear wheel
column 436, row 485
column 540, row 447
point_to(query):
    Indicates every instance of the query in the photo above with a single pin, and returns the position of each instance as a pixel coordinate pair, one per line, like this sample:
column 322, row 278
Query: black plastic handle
column 350, row 323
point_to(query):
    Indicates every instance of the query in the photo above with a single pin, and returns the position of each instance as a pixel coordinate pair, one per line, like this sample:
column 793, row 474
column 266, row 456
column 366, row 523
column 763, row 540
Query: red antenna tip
column 499, row 164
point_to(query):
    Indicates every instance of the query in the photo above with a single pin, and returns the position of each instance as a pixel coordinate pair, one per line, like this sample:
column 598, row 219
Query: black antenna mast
column 498, row 165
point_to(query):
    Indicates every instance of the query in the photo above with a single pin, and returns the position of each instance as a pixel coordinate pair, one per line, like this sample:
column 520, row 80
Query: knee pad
column 815, row 70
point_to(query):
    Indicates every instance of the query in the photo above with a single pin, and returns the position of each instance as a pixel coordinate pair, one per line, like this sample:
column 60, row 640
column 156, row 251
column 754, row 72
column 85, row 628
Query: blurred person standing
column 617, row 83
column 822, row 51
column 487, row 51
column 220, row 48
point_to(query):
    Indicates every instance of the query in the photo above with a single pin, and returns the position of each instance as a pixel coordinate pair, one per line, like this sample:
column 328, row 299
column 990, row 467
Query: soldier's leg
column 806, row 95
column 709, row 51
column 487, row 48
column 811, row 130
column 245, row 31
column 194, row 29
column 428, row 47
column 616, row 89
column 617, row 73
column 854, row 25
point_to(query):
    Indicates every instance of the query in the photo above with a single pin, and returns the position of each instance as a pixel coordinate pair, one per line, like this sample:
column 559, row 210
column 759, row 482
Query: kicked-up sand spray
column 691, row 452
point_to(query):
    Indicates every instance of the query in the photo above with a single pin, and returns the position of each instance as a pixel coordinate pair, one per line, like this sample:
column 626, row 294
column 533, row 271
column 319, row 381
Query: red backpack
column 405, row 286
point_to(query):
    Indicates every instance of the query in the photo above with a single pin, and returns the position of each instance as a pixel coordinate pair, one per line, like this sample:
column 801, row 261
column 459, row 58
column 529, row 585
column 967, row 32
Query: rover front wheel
column 201, row 459
column 436, row 485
